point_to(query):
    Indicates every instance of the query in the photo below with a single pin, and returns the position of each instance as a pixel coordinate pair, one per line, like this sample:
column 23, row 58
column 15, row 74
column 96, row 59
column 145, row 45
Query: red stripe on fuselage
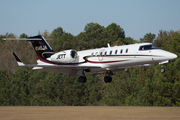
column 95, row 62
column 106, row 61
column 49, row 62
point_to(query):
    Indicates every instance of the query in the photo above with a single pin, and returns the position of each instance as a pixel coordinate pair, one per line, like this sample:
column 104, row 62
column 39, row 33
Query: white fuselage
column 123, row 56
column 117, row 58
column 100, row 60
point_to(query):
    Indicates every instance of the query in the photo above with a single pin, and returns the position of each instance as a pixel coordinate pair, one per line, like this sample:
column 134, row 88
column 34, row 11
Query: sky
column 136, row 17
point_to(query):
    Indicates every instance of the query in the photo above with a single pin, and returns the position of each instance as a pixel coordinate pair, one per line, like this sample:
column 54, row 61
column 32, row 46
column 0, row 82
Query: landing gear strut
column 82, row 79
column 108, row 79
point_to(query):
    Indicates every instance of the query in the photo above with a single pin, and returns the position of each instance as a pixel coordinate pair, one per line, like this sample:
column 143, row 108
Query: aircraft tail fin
column 41, row 47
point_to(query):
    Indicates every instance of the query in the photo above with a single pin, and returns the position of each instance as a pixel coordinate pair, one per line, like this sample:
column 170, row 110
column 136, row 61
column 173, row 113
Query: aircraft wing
column 20, row 63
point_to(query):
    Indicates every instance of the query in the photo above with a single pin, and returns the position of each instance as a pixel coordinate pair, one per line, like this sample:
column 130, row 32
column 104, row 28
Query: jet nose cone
column 172, row 56
column 175, row 56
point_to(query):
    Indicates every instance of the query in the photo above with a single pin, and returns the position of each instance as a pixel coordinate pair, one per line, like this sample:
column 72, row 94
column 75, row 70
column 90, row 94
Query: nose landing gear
column 162, row 69
column 82, row 79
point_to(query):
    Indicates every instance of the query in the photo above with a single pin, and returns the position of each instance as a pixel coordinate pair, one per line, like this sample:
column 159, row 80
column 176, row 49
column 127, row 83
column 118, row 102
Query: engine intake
column 67, row 56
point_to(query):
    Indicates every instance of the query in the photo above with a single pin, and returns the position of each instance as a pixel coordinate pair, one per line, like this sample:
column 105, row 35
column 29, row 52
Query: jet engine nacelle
column 67, row 56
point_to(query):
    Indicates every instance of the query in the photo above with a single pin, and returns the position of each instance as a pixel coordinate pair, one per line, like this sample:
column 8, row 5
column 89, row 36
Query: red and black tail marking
column 41, row 47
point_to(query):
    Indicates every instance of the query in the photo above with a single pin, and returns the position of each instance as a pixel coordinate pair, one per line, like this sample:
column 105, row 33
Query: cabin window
column 110, row 52
column 116, row 51
column 96, row 54
column 121, row 51
column 127, row 50
column 101, row 54
column 92, row 54
column 148, row 47
column 105, row 53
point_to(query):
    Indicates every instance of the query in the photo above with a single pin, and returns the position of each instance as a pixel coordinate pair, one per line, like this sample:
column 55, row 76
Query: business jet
column 101, row 60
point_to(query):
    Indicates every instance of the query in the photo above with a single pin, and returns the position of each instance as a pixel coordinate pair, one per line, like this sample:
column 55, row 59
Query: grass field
column 89, row 113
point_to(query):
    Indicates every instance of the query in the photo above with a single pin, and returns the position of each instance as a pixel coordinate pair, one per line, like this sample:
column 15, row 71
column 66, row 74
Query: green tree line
column 141, row 86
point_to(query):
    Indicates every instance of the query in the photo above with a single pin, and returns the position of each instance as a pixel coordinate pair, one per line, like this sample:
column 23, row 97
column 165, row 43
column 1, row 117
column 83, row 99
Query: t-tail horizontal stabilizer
column 20, row 63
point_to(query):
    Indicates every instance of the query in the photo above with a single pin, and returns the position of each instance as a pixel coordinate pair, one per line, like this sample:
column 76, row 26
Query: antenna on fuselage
column 108, row 45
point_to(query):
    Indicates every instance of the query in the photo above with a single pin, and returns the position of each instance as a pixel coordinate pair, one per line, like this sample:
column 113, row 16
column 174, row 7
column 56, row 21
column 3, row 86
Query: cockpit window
column 148, row 47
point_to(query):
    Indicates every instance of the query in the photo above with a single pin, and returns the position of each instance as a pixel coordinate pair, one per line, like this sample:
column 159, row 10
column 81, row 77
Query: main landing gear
column 108, row 79
column 82, row 79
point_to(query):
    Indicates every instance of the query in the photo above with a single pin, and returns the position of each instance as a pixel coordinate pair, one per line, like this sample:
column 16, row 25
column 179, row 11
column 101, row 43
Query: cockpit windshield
column 148, row 47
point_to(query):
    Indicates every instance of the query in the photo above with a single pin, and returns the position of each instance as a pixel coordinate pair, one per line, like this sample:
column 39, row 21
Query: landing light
column 107, row 69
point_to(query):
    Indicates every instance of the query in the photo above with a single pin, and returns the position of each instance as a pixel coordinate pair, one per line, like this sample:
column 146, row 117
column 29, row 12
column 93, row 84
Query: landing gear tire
column 162, row 70
column 107, row 79
column 82, row 79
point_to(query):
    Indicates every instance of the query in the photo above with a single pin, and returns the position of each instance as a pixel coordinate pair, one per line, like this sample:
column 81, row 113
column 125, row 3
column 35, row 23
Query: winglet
column 19, row 62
